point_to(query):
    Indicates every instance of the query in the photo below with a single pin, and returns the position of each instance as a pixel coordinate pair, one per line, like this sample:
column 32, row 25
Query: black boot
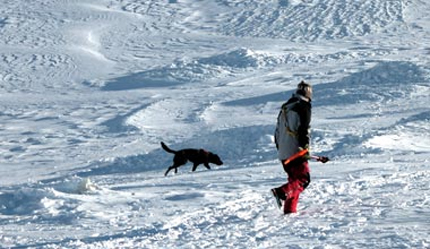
column 278, row 196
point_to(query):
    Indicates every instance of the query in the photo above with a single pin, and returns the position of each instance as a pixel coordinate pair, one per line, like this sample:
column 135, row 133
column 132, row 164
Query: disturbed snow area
column 89, row 89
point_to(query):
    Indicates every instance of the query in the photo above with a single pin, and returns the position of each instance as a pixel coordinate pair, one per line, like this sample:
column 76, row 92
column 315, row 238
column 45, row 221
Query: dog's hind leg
column 170, row 168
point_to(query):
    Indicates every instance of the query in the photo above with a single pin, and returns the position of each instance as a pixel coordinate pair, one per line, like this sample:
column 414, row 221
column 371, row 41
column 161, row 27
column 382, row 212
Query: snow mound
column 241, row 58
column 54, row 200
column 405, row 135
column 77, row 186
column 390, row 73
column 24, row 201
column 383, row 82
column 38, row 205
column 185, row 71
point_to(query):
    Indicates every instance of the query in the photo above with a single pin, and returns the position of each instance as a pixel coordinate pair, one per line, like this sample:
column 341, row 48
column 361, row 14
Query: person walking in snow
column 292, row 142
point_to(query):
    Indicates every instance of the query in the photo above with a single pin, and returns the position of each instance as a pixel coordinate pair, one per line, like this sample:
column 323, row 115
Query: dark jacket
column 293, row 125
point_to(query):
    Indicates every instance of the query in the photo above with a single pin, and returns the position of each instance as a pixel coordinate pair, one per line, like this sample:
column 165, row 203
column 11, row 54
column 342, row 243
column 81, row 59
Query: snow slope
column 88, row 89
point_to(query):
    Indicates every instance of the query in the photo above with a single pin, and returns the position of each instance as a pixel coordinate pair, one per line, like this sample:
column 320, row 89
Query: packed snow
column 89, row 89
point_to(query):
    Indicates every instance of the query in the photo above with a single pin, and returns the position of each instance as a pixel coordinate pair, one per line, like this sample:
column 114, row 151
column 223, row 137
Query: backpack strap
column 285, row 109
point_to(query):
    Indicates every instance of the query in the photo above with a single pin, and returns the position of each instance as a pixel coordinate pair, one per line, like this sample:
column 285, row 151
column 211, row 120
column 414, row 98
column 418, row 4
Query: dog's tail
column 164, row 146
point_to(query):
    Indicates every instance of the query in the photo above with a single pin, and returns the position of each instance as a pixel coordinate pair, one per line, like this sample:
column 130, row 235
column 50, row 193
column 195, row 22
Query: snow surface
column 88, row 89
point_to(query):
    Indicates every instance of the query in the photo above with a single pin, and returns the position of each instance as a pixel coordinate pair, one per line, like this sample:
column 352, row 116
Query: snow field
column 90, row 88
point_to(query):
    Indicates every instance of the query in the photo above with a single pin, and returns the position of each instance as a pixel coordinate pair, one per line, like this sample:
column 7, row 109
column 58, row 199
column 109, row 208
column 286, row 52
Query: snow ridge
column 304, row 21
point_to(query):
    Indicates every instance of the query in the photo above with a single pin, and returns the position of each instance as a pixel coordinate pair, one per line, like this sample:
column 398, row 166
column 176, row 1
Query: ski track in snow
column 90, row 88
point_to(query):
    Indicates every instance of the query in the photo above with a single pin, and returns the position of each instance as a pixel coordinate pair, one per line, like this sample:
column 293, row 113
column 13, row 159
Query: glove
column 307, row 156
column 323, row 159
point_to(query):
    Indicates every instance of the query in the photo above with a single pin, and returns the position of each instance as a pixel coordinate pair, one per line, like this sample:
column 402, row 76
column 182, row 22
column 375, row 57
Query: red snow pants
column 298, row 176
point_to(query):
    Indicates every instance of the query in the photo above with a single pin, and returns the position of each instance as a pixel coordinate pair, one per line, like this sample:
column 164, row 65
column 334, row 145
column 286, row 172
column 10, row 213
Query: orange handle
column 295, row 156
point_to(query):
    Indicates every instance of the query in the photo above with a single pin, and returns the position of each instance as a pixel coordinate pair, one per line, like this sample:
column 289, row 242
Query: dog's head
column 214, row 158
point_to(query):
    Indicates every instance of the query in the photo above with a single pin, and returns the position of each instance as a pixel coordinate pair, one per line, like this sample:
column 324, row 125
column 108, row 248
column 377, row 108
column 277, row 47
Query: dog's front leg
column 195, row 166
column 207, row 165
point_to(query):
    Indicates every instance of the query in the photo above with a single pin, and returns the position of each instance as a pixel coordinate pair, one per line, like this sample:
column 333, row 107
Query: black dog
column 195, row 156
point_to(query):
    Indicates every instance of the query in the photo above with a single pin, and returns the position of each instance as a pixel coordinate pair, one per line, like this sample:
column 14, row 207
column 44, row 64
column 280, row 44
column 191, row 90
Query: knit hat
column 304, row 89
